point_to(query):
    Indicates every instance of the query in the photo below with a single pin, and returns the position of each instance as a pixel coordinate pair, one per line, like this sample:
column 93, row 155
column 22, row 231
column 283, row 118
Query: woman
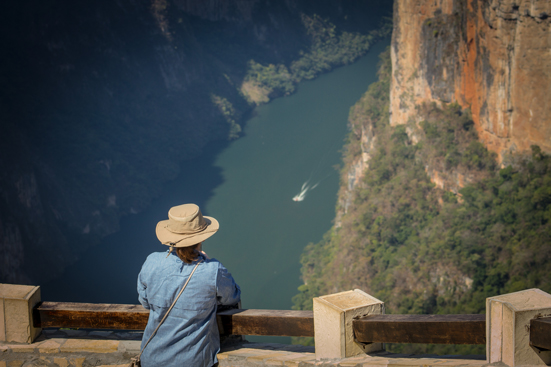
column 189, row 335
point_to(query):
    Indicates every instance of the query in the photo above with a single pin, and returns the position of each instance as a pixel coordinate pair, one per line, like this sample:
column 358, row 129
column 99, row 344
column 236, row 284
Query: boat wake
column 303, row 191
column 320, row 170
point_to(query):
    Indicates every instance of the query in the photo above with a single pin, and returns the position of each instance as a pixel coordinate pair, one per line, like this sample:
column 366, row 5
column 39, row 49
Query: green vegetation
column 451, row 143
column 228, row 111
column 327, row 51
column 420, row 248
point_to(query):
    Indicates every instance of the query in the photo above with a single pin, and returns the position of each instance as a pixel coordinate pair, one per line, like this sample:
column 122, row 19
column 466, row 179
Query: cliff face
column 490, row 56
column 426, row 219
column 404, row 235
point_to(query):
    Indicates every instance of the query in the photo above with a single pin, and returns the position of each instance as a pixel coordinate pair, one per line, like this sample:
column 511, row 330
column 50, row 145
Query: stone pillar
column 333, row 315
column 16, row 305
column 508, row 327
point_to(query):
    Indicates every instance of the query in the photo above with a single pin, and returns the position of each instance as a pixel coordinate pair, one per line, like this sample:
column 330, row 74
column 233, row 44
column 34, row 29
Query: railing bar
column 540, row 333
column 134, row 317
column 434, row 329
column 423, row 329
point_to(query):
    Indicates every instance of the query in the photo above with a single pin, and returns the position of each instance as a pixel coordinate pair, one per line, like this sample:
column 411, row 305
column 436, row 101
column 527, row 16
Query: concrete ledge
column 333, row 316
column 508, row 327
column 80, row 348
column 264, row 355
column 16, row 304
column 73, row 348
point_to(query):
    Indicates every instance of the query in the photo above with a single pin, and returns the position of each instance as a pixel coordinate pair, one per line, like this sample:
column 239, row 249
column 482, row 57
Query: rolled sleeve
column 227, row 291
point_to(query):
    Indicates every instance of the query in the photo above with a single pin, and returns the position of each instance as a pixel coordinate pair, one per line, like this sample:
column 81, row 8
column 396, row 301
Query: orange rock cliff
column 492, row 56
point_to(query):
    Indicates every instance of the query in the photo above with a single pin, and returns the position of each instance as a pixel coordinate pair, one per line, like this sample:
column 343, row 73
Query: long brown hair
column 188, row 254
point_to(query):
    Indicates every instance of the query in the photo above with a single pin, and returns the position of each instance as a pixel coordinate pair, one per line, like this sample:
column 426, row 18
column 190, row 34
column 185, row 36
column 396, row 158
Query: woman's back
column 189, row 335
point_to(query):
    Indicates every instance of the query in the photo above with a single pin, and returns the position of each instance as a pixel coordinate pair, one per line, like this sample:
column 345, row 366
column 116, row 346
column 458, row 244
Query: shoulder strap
column 171, row 306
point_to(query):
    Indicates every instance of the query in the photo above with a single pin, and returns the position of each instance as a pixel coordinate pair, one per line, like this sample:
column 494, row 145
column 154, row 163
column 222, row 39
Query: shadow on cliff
column 115, row 262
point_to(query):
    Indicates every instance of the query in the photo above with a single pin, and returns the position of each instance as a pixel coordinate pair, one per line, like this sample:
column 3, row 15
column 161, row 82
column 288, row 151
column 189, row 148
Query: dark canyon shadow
column 107, row 273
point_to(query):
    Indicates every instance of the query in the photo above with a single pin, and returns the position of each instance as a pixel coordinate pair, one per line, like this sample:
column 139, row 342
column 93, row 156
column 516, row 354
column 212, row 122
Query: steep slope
column 416, row 246
column 445, row 192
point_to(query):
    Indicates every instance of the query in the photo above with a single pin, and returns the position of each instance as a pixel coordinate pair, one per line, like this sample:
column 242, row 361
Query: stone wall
column 79, row 348
column 75, row 348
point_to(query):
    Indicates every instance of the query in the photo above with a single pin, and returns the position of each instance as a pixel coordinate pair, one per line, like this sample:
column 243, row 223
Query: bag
column 136, row 360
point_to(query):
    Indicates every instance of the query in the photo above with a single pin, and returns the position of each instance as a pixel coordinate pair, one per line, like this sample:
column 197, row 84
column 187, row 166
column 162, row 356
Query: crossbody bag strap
column 171, row 306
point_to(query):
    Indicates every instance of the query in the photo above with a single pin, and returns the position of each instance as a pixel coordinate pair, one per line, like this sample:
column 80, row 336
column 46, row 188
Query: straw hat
column 185, row 226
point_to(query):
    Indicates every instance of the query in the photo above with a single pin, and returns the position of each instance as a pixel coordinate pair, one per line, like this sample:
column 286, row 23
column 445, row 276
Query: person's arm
column 227, row 291
column 142, row 294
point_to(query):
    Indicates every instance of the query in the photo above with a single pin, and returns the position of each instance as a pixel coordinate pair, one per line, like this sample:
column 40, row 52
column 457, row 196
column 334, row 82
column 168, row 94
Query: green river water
column 248, row 186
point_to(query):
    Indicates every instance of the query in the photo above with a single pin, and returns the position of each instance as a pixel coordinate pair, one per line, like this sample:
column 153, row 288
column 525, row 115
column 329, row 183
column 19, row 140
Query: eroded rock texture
column 493, row 56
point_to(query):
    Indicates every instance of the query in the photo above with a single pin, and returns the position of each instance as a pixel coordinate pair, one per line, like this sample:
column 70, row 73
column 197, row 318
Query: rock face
column 491, row 56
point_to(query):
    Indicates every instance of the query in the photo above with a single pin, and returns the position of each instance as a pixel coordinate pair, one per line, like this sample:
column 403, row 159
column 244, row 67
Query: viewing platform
column 349, row 328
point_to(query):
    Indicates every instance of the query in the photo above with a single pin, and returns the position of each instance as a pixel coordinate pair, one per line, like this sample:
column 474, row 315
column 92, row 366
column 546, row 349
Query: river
column 248, row 187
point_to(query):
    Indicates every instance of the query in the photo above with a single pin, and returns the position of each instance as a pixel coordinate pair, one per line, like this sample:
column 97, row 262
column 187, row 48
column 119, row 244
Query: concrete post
column 508, row 327
column 333, row 315
column 16, row 305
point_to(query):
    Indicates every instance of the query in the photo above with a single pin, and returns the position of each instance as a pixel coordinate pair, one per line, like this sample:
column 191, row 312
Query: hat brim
column 184, row 240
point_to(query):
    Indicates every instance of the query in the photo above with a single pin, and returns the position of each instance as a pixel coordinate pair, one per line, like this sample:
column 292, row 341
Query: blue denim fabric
column 189, row 335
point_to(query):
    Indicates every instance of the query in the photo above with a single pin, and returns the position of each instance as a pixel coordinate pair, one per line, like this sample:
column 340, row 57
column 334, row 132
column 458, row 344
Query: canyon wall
column 492, row 56
column 427, row 219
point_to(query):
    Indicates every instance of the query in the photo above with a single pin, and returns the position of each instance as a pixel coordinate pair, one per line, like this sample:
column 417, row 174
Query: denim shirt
column 189, row 335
